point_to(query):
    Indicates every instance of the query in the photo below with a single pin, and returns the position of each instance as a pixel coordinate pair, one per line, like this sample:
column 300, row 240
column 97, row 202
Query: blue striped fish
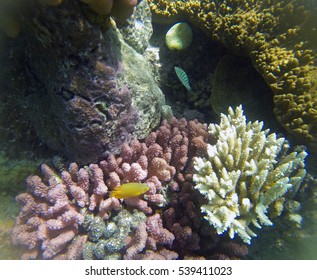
column 182, row 76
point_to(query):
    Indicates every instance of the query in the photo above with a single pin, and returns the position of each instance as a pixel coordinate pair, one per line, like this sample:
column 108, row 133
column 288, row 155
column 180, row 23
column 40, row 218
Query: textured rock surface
column 237, row 82
column 137, row 30
column 147, row 98
column 68, row 90
column 81, row 111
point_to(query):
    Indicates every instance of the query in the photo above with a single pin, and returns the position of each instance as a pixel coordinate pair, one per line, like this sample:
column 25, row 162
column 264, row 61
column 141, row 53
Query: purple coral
column 48, row 224
column 48, row 220
column 55, row 207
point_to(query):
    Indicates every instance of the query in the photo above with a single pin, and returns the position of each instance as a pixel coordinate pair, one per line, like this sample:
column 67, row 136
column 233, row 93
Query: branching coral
column 71, row 215
column 58, row 210
column 279, row 37
column 246, row 173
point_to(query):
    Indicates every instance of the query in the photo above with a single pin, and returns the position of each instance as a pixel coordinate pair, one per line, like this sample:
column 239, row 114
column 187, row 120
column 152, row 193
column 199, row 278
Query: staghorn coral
column 278, row 36
column 246, row 173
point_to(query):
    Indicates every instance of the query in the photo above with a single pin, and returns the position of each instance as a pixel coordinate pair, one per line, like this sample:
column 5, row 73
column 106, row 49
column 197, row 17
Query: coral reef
column 55, row 207
column 72, row 215
column 97, row 103
column 106, row 239
column 278, row 36
column 247, row 174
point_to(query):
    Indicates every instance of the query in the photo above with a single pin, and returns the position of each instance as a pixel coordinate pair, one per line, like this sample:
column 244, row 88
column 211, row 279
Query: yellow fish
column 129, row 190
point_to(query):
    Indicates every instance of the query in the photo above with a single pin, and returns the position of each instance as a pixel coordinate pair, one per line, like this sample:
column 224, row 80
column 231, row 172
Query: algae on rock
column 147, row 97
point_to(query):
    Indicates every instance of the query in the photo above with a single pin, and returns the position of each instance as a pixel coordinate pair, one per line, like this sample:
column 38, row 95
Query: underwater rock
column 179, row 36
column 81, row 111
column 147, row 97
column 236, row 82
column 137, row 30
column 70, row 90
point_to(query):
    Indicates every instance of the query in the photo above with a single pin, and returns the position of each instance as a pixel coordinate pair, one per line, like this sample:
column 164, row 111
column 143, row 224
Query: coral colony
column 138, row 182
column 246, row 172
column 73, row 214
column 261, row 30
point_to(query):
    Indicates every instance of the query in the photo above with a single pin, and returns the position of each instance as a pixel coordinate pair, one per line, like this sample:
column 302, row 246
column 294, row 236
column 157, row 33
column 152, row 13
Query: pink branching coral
column 48, row 224
column 63, row 215
column 137, row 243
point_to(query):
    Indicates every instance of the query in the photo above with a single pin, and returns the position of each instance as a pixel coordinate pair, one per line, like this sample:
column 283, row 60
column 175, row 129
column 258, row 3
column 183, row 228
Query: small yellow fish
column 129, row 190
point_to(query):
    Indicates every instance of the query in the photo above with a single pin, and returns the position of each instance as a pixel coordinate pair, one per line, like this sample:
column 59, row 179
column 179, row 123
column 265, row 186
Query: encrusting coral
column 280, row 39
column 247, row 176
column 106, row 238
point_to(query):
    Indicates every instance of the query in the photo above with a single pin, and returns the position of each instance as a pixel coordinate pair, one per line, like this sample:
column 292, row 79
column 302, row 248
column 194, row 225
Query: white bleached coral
column 246, row 174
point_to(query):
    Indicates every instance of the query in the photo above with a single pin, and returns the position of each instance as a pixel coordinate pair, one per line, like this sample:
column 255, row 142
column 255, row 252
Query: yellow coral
column 279, row 37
